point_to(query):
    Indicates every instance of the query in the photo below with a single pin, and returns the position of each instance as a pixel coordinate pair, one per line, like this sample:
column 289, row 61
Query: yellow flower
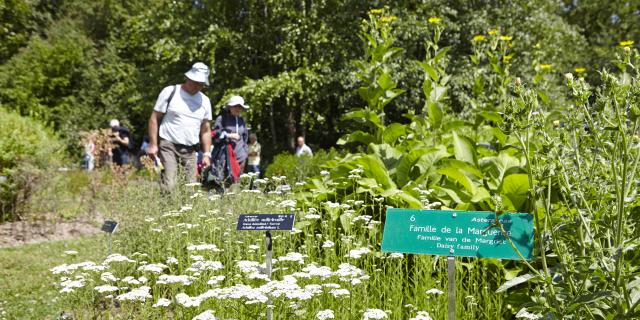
column 507, row 58
column 376, row 11
column 580, row 70
column 545, row 66
column 537, row 45
column 493, row 32
column 506, row 38
column 388, row 19
column 434, row 20
column 626, row 43
column 479, row 38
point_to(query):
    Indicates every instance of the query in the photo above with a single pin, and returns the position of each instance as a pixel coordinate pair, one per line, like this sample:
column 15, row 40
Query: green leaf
column 393, row 132
column 418, row 162
column 430, row 71
column 441, row 53
column 385, row 82
column 357, row 136
column 480, row 195
column 463, row 149
column 388, row 154
column 514, row 282
column 435, row 114
column 459, row 177
column 516, row 188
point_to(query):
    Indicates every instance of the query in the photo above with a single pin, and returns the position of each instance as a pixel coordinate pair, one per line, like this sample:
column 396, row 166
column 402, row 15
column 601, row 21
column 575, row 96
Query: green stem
column 541, row 246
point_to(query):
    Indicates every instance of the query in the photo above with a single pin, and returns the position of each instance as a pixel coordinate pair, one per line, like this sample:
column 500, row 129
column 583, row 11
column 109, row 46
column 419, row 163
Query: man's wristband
column 206, row 154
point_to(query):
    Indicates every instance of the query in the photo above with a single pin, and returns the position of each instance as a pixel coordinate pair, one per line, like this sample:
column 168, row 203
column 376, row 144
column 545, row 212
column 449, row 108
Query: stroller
column 224, row 169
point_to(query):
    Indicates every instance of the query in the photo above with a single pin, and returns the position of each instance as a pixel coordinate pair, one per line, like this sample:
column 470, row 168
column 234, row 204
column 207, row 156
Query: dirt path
column 26, row 232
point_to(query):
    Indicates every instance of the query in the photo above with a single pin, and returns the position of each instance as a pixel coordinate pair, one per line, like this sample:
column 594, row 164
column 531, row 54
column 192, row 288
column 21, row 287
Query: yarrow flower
column 435, row 20
column 376, row 11
column 325, row 314
column 357, row 253
column 206, row 315
column 422, row 315
column 106, row 288
column 162, row 302
column 374, row 314
column 434, row 291
column 137, row 294
column 493, row 32
column 506, row 38
column 479, row 38
column 626, row 43
column 546, row 66
column 580, row 70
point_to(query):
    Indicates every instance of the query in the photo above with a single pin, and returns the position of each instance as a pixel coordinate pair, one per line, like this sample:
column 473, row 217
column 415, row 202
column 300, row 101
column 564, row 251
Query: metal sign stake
column 109, row 243
column 269, row 256
column 451, row 272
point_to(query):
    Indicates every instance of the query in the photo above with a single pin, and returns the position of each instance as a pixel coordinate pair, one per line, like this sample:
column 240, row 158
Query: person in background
column 254, row 154
column 302, row 149
column 120, row 137
column 179, row 124
column 231, row 126
column 89, row 152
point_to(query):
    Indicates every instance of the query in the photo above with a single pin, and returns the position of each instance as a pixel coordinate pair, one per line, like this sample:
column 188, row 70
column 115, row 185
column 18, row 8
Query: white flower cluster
column 422, row 315
column 374, row 314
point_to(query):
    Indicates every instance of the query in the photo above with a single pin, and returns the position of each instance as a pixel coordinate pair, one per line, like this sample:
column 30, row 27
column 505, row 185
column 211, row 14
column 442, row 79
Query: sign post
column 458, row 234
column 109, row 227
column 267, row 223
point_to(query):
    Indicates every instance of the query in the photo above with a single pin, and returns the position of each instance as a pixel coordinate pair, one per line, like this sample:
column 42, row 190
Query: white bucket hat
column 114, row 123
column 199, row 73
column 237, row 101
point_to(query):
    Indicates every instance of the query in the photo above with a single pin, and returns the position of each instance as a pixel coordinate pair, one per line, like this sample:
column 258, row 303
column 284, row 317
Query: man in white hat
column 179, row 124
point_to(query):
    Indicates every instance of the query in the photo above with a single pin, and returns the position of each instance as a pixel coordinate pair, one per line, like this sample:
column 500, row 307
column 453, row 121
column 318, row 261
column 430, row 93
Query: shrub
column 27, row 150
column 299, row 168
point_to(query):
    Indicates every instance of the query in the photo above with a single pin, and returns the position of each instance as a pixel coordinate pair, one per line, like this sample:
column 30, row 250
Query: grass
column 27, row 287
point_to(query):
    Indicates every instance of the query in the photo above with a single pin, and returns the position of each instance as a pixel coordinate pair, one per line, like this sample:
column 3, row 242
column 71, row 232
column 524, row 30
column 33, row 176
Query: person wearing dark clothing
column 231, row 126
column 120, row 140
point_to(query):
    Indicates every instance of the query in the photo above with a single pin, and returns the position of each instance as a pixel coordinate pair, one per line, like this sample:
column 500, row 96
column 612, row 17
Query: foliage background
column 74, row 64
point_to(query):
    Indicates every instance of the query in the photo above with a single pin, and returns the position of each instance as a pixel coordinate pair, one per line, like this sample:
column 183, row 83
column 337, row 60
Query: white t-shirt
column 181, row 123
column 303, row 151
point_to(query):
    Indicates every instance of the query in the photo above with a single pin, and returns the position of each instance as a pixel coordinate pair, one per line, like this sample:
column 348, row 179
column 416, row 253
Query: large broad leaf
column 418, row 162
column 368, row 117
column 459, row 177
column 464, row 166
column 464, row 149
column 480, row 195
column 516, row 188
column 374, row 168
column 357, row 136
column 407, row 200
column 389, row 155
column 495, row 168
column 393, row 132
column 514, row 282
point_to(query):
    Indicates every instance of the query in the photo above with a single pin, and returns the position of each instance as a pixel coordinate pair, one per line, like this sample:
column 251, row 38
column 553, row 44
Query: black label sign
column 265, row 222
column 109, row 226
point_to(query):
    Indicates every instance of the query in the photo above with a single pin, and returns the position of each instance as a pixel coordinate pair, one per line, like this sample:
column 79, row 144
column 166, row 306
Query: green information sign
column 457, row 233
